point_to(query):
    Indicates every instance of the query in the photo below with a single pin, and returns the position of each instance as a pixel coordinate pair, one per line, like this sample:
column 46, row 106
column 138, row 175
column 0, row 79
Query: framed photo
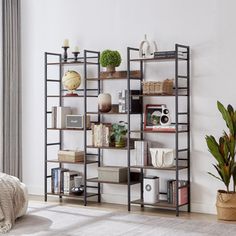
column 152, row 117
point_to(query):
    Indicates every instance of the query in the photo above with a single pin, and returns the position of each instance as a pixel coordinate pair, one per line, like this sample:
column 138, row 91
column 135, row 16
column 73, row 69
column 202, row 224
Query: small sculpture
column 147, row 49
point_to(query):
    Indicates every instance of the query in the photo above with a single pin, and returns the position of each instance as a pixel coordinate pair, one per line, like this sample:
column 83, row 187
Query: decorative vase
column 121, row 143
column 77, row 189
column 111, row 69
column 104, row 102
column 162, row 157
column 226, row 205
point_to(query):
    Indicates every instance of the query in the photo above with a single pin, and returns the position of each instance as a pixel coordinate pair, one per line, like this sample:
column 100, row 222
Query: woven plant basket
column 226, row 205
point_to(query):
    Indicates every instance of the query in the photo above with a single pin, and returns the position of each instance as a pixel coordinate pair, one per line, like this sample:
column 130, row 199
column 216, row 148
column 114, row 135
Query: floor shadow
column 29, row 224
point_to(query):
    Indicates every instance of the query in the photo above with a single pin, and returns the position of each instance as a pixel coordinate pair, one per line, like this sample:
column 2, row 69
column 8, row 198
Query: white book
column 61, row 116
column 54, row 117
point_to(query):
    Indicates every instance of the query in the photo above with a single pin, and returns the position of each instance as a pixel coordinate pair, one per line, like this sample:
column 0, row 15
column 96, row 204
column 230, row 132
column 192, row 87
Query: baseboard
column 203, row 208
column 122, row 199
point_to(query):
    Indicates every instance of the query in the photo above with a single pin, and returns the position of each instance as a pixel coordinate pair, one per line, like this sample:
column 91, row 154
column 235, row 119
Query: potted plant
column 110, row 59
column 118, row 133
column 224, row 153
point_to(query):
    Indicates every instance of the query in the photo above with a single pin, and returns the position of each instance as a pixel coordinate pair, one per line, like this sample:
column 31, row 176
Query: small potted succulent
column 223, row 152
column 118, row 135
column 110, row 59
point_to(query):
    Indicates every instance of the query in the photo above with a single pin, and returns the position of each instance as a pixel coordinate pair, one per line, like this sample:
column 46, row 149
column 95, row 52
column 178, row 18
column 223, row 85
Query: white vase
column 104, row 102
column 162, row 157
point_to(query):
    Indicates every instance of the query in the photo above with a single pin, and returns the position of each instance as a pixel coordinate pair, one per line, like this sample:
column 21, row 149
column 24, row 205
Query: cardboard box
column 70, row 156
column 113, row 174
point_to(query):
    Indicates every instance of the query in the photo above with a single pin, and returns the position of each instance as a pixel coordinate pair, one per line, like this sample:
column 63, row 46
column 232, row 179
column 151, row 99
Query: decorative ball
column 71, row 80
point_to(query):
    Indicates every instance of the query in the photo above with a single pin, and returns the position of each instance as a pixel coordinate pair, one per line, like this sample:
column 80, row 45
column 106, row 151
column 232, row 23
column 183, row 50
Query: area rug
column 60, row 220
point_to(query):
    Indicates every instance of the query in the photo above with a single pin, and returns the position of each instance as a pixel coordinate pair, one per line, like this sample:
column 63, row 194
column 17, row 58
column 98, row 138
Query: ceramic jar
column 104, row 102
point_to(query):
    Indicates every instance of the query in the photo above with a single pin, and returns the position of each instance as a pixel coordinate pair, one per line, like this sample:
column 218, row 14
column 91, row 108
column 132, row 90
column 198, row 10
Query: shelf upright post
column 46, row 124
column 177, row 127
column 141, row 128
column 188, row 122
column 128, row 121
column 85, row 127
column 99, row 119
column 60, row 104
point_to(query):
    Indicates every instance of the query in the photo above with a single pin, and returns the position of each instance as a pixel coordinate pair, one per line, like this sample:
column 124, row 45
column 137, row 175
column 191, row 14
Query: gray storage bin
column 113, row 174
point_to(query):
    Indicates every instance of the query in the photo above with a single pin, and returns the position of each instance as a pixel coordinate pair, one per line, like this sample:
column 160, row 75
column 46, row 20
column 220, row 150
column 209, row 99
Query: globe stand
column 71, row 95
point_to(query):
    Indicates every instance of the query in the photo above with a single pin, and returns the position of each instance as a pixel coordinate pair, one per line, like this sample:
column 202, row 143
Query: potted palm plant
column 224, row 153
column 118, row 135
column 110, row 59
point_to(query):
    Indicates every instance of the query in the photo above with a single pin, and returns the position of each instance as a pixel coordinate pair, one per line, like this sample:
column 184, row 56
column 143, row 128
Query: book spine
column 53, row 117
column 52, row 180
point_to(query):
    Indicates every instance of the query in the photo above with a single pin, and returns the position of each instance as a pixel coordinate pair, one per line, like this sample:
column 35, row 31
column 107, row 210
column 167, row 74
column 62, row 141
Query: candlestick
column 66, row 43
column 76, row 49
column 65, row 52
column 76, row 55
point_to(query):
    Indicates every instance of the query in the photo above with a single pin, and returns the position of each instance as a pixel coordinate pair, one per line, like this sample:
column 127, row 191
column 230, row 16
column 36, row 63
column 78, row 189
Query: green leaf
column 226, row 116
column 215, row 176
column 214, row 149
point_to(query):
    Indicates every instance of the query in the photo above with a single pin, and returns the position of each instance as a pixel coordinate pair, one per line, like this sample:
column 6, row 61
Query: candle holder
column 65, row 52
column 76, row 55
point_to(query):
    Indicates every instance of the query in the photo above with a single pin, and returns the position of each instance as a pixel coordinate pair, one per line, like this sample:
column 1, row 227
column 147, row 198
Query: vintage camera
column 165, row 116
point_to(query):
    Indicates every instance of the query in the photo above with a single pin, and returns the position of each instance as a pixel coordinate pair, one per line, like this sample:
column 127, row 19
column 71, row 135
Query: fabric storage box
column 70, row 156
column 113, row 174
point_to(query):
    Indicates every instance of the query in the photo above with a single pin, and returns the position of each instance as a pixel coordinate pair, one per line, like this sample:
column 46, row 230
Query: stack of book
column 170, row 54
column 62, row 180
column 59, row 116
column 135, row 101
column 172, row 191
column 167, row 128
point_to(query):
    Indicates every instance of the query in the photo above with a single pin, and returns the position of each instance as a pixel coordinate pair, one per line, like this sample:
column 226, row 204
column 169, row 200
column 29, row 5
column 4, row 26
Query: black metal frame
column 177, row 60
column 81, row 61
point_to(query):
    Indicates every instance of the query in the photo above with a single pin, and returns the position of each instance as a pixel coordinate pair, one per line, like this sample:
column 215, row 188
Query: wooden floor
column 135, row 209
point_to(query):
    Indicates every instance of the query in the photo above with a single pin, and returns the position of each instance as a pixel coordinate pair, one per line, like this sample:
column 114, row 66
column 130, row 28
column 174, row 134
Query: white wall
column 205, row 25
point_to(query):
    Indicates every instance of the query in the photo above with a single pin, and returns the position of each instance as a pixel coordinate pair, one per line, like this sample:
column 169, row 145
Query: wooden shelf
column 158, row 168
column 158, row 59
column 111, row 79
column 95, row 180
column 162, row 204
column 68, row 129
column 72, row 63
column 161, row 95
column 158, row 131
column 73, row 195
column 111, row 113
column 69, row 162
column 114, row 148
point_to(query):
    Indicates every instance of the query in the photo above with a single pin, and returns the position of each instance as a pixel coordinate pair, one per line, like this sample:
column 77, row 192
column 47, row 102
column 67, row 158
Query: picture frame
column 152, row 116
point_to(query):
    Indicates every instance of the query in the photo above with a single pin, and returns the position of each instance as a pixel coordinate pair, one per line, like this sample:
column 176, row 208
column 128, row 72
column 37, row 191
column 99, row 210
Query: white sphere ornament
column 71, row 81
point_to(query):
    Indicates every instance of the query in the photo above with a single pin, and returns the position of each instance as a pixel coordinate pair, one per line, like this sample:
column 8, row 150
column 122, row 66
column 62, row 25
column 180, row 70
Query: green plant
column 224, row 150
column 118, row 132
column 110, row 58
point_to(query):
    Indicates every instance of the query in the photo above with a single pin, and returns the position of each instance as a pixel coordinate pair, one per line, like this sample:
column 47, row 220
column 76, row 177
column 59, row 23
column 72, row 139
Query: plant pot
column 226, row 205
column 121, row 143
column 111, row 69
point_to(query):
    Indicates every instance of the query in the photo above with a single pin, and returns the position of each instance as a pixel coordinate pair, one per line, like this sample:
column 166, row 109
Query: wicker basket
column 158, row 87
column 226, row 205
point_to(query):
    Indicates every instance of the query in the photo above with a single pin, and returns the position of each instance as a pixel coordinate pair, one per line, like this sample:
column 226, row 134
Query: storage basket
column 158, row 87
column 226, row 205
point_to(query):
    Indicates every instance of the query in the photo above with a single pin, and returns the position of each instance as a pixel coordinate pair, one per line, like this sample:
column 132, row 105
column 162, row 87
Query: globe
column 71, row 81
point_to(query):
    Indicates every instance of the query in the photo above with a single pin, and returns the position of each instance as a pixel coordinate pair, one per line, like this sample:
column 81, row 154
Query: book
column 68, row 181
column 54, row 117
column 135, row 101
column 141, row 153
column 182, row 192
column 61, row 116
column 54, row 180
column 164, row 128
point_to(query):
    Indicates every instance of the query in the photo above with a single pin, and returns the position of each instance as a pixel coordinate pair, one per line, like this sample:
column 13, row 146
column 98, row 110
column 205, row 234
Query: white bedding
column 24, row 209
